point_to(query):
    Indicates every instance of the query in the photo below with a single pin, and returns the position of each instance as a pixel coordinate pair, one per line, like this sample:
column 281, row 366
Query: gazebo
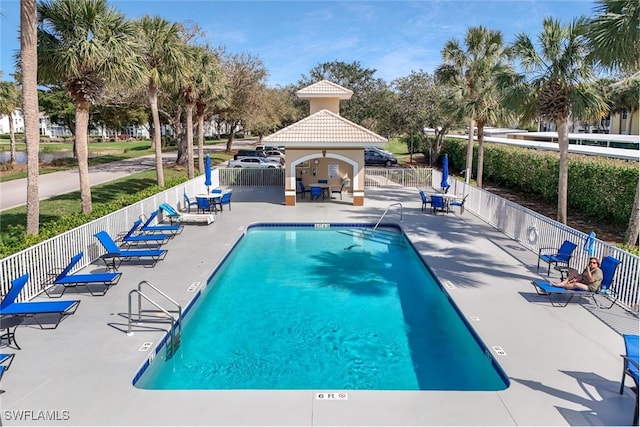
column 324, row 145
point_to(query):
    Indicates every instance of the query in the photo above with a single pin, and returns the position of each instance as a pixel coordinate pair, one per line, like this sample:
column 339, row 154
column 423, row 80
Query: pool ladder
column 176, row 321
column 385, row 212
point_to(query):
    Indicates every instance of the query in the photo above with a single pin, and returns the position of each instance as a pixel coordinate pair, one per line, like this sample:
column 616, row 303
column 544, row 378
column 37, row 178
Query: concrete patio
column 564, row 364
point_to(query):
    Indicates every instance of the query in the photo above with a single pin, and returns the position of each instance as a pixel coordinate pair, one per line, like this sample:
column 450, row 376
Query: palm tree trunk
column 201, row 143
column 480, row 169
column 82, row 148
column 631, row 235
column 469, row 153
column 563, row 166
column 189, row 109
column 153, row 103
column 12, row 141
column 29, row 63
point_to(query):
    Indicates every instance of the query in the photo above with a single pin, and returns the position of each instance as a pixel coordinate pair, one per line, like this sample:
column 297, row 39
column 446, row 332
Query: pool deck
column 564, row 364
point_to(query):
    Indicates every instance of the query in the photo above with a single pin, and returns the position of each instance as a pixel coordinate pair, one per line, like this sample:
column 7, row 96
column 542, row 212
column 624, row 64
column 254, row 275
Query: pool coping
column 564, row 363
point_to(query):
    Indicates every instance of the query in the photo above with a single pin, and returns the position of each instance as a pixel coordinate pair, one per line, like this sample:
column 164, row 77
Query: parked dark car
column 378, row 157
column 248, row 153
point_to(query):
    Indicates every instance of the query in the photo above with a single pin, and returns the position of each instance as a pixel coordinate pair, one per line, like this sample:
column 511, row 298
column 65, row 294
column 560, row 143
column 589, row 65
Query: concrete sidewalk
column 14, row 193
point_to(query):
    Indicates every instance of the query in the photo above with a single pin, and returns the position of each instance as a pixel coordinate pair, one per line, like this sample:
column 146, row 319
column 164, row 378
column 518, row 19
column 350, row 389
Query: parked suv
column 378, row 157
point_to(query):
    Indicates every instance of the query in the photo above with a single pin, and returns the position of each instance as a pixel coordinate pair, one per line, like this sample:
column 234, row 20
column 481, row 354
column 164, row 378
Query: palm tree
column 88, row 45
column 558, row 83
column 29, row 67
column 9, row 102
column 614, row 36
column 162, row 52
column 472, row 72
column 209, row 85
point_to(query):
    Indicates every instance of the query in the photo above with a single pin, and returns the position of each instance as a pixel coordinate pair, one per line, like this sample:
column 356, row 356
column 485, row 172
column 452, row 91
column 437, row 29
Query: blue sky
column 292, row 37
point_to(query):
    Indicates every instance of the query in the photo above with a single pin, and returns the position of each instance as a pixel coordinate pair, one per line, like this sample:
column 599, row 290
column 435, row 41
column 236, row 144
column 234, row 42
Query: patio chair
column 204, row 205
column 425, row 201
column 188, row 202
column 558, row 257
column 67, row 280
column 302, row 190
column 115, row 256
column 340, row 190
column 316, row 192
column 437, row 203
column 323, row 181
column 131, row 239
column 630, row 367
column 35, row 309
column 459, row 203
column 179, row 218
column 224, row 200
column 5, row 361
column 608, row 266
column 148, row 227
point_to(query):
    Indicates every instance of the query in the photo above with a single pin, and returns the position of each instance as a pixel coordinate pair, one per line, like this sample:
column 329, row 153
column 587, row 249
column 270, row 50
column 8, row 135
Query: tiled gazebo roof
column 327, row 129
column 324, row 89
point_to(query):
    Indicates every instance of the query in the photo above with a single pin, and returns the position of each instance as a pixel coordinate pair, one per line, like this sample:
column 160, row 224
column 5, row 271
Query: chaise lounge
column 115, row 256
column 34, row 309
column 608, row 266
column 66, row 280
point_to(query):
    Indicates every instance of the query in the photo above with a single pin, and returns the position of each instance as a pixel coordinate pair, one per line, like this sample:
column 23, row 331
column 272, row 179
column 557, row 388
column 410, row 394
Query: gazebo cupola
column 324, row 95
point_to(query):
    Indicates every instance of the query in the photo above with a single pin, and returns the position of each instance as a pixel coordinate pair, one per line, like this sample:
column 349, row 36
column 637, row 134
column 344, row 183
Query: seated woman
column 589, row 280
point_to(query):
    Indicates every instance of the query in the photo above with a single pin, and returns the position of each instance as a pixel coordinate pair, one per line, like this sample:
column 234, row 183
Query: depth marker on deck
column 499, row 351
column 145, row 346
column 332, row 396
column 448, row 284
column 474, row 318
column 193, row 286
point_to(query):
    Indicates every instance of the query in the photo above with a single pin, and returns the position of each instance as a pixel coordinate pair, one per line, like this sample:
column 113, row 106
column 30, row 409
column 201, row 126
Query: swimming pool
column 325, row 306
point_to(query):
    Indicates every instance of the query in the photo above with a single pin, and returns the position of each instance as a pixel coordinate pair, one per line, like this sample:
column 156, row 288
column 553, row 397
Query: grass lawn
column 103, row 152
column 58, row 207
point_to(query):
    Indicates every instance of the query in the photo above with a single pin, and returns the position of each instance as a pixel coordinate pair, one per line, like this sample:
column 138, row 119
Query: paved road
column 14, row 193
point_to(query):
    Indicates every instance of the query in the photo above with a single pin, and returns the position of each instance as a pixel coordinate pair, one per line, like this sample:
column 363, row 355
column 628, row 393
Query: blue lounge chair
column 608, row 266
column 5, row 361
column 424, row 199
column 630, row 367
column 67, row 280
column 34, row 309
column 131, row 238
column 149, row 227
column 558, row 257
column 115, row 256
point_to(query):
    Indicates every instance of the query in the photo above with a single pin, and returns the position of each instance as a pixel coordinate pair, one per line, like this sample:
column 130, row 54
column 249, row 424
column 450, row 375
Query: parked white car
column 253, row 162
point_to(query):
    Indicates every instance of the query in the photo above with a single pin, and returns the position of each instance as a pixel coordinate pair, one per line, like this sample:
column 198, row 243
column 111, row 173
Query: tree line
column 105, row 64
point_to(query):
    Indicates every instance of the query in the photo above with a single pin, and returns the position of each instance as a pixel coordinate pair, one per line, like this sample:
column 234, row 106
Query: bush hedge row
column 601, row 188
column 16, row 239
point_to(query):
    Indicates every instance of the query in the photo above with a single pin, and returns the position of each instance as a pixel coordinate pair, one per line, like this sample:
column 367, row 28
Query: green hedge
column 17, row 239
column 601, row 188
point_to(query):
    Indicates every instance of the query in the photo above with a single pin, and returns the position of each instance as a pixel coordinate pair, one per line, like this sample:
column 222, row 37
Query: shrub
column 601, row 188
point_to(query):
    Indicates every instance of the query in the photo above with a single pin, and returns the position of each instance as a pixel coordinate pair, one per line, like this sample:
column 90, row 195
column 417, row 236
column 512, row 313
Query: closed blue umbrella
column 207, row 172
column 590, row 244
column 445, row 173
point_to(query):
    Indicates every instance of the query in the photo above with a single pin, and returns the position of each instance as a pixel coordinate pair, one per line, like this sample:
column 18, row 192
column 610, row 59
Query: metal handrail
column 385, row 212
column 145, row 282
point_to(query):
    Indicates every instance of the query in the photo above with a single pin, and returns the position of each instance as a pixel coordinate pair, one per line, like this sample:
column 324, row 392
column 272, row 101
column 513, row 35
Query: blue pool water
column 325, row 308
